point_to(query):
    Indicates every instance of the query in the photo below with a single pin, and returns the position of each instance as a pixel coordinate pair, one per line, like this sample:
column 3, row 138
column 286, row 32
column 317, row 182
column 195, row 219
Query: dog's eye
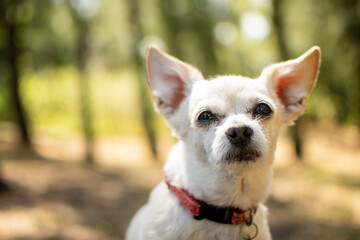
column 262, row 109
column 206, row 117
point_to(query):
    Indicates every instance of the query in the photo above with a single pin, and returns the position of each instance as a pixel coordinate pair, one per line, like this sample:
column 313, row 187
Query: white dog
column 218, row 175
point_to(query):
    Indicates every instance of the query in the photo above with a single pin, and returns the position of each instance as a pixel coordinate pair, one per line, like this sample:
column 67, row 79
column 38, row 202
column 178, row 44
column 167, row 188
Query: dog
column 218, row 175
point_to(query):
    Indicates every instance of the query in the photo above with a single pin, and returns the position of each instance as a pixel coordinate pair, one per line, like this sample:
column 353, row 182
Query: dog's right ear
column 169, row 79
column 293, row 82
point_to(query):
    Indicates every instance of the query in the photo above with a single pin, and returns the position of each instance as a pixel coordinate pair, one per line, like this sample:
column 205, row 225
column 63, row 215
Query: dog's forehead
column 228, row 94
column 229, row 87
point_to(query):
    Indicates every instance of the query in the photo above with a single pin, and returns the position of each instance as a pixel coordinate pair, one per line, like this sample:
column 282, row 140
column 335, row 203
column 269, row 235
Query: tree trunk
column 11, row 28
column 147, row 113
column 82, row 54
column 279, row 31
column 352, row 33
column 85, row 100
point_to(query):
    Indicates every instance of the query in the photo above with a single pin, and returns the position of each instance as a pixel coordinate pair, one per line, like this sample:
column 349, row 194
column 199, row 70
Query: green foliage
column 51, row 97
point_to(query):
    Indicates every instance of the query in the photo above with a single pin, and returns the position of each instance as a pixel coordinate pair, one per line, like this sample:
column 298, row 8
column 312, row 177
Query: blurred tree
column 340, row 74
column 194, row 18
column 202, row 23
column 174, row 25
column 283, row 49
column 279, row 29
column 4, row 187
column 148, row 118
column 82, row 54
column 14, row 47
column 350, row 12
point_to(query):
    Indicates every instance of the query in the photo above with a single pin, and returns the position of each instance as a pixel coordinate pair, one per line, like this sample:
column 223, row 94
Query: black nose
column 239, row 136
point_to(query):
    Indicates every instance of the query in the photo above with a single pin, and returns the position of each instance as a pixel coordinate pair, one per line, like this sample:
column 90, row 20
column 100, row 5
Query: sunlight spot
column 86, row 8
column 225, row 33
column 19, row 222
column 255, row 26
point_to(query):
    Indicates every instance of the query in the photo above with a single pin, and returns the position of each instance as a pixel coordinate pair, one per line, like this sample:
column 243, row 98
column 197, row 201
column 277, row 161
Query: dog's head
column 232, row 122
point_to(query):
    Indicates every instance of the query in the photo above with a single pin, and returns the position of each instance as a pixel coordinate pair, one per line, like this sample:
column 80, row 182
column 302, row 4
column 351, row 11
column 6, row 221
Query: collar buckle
column 214, row 213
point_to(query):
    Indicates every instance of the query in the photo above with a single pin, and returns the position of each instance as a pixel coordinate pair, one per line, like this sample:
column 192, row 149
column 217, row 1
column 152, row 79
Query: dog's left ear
column 293, row 81
column 170, row 80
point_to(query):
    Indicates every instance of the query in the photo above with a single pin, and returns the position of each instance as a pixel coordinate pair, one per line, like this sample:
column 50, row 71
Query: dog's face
column 231, row 122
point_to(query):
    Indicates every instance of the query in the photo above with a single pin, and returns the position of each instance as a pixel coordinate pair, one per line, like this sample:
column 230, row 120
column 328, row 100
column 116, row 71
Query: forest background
column 73, row 94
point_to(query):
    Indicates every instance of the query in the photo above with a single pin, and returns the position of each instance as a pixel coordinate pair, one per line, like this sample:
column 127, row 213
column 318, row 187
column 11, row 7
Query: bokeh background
column 80, row 144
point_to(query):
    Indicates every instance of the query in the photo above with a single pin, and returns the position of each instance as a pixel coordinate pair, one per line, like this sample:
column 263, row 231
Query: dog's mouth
column 242, row 156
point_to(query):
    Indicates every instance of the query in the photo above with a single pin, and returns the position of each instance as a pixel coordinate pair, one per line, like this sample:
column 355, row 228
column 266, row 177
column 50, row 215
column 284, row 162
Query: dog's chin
column 249, row 155
column 240, row 162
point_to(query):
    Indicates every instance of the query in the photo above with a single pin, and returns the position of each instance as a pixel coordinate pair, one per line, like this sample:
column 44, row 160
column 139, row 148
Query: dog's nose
column 239, row 136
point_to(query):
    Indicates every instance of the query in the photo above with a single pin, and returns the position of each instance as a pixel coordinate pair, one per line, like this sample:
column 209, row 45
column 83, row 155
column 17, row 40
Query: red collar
column 201, row 210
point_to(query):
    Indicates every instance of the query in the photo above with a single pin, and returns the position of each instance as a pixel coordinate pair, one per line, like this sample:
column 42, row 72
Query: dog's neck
column 216, row 187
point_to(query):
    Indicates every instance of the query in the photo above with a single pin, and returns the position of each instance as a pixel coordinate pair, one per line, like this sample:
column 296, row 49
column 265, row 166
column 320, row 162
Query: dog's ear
column 293, row 81
column 169, row 79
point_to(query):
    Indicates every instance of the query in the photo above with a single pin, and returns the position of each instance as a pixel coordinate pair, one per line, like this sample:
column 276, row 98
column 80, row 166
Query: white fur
column 197, row 162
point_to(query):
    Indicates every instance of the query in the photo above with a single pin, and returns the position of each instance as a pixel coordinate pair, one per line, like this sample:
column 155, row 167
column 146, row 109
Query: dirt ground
column 54, row 196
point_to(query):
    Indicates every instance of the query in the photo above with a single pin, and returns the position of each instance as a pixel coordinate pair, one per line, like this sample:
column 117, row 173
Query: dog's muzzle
column 240, row 139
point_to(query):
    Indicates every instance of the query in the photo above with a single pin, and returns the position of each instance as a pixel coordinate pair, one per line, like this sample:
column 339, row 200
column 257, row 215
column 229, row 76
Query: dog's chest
column 216, row 231
column 203, row 230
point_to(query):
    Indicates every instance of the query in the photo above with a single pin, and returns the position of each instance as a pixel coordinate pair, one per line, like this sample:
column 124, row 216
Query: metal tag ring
column 256, row 232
